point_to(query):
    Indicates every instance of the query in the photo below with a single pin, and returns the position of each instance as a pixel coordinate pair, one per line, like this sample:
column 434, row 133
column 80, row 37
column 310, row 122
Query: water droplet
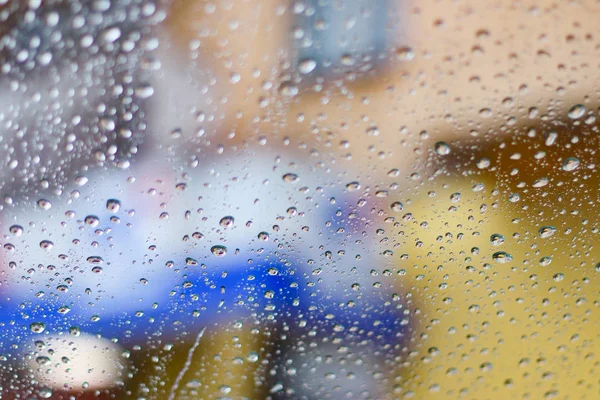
column 37, row 327
column 113, row 205
column 46, row 245
column 264, row 236
column 95, row 260
column 570, row 164
column 558, row 277
column 64, row 310
column 307, row 66
column 92, row 221
column 577, row 111
column 218, row 250
column 540, row 183
column 546, row 231
column 190, row 261
column 44, row 204
column 442, row 148
column 497, row 239
column 397, row 206
column 288, row 89
column 16, row 230
column 227, row 221
column 404, row 53
column 111, row 34
column 483, row 163
column 290, row 177
column 544, row 261
column 353, row 186
column 372, row 131
column 42, row 360
column 502, row 257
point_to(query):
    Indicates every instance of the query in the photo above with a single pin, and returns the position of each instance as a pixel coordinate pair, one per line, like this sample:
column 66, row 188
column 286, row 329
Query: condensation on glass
column 320, row 199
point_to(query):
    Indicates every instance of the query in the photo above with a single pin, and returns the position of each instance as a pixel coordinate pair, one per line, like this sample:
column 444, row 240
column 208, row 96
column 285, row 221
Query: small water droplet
column 288, row 89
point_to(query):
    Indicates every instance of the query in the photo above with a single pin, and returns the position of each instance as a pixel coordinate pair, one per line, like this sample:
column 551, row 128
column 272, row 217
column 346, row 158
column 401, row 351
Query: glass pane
column 320, row 199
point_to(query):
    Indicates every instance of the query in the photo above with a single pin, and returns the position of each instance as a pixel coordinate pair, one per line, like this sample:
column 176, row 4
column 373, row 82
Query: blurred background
column 312, row 199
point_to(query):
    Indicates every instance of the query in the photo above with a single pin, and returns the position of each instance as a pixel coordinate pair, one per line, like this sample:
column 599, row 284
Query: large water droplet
column 227, row 221
column 570, row 164
column 546, row 231
column 442, row 148
column 219, row 251
column 577, row 111
column 37, row 327
column 113, row 205
column 502, row 257
column 307, row 66
column 497, row 239
column 290, row 177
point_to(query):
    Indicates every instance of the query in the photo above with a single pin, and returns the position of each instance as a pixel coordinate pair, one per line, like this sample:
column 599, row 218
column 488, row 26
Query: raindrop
column 502, row 257
column 264, row 236
column 113, row 205
column 546, row 231
column 46, row 245
column 288, row 89
column 353, row 186
column 95, row 260
column 44, row 204
column 64, row 310
column 218, row 250
column 307, row 66
column 227, row 221
column 570, row 164
column 37, row 327
column 497, row 239
column 577, row 111
column 404, row 53
column 483, row 163
column 16, row 230
column 290, row 177
column 442, row 148
column 397, row 206
column 92, row 220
